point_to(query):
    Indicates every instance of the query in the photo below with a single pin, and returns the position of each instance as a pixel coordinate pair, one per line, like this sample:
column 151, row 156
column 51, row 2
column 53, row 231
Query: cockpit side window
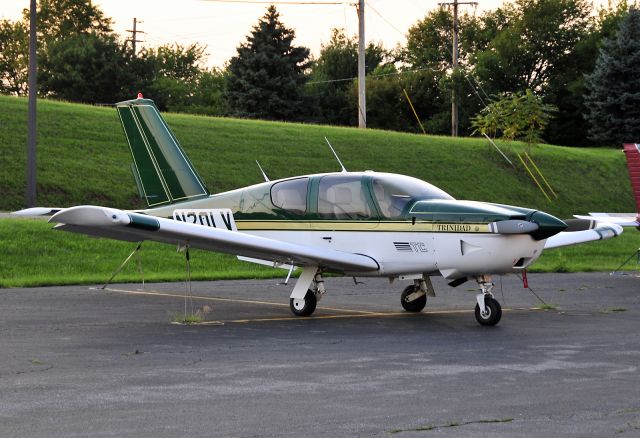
column 291, row 195
column 390, row 199
column 393, row 193
column 342, row 197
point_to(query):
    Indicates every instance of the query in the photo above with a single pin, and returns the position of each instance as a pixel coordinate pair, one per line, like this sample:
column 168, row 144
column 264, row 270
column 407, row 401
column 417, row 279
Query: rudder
column 163, row 172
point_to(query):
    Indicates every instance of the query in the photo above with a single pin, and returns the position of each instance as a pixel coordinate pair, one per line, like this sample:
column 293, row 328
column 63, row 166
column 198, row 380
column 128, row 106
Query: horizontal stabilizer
column 36, row 212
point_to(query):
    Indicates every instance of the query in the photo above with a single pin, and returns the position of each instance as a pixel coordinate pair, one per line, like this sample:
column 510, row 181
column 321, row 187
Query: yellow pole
column 414, row 111
column 540, row 173
column 534, row 178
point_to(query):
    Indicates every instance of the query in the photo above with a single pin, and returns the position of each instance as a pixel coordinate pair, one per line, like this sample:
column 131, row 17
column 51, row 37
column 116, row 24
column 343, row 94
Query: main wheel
column 304, row 307
column 492, row 314
column 412, row 306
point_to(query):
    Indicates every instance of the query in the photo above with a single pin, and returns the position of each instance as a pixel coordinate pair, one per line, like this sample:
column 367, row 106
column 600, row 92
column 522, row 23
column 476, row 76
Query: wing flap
column 121, row 225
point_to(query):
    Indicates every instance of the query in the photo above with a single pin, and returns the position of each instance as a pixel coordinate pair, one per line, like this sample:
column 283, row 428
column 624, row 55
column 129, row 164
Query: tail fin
column 163, row 172
column 632, row 151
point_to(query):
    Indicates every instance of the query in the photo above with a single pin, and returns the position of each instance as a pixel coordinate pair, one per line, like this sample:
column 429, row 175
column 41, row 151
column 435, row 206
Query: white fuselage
column 454, row 255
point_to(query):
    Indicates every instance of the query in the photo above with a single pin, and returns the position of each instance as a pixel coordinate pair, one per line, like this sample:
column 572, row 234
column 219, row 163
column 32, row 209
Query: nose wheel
column 488, row 309
column 491, row 313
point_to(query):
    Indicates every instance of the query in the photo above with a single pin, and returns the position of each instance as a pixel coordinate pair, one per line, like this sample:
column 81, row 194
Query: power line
column 373, row 76
column 385, row 20
column 259, row 2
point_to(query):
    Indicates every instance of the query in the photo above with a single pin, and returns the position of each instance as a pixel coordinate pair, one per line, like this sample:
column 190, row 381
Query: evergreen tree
column 613, row 89
column 267, row 75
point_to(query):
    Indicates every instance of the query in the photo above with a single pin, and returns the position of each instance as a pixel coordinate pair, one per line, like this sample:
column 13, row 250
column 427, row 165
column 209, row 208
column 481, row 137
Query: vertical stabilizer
column 163, row 172
column 632, row 152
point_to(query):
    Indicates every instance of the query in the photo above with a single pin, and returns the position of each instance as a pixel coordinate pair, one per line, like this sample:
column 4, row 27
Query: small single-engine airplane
column 360, row 224
column 632, row 154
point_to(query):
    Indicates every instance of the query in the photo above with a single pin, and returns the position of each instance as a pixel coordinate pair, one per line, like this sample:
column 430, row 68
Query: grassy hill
column 83, row 159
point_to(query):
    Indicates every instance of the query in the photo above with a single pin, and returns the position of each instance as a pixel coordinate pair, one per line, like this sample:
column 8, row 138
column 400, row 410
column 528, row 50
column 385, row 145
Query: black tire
column 412, row 306
column 494, row 312
column 305, row 308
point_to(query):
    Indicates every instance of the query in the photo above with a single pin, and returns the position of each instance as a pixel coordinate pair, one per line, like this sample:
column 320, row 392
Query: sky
column 222, row 26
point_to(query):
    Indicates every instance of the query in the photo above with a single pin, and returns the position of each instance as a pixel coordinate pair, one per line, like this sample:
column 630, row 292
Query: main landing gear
column 414, row 297
column 488, row 309
column 306, row 305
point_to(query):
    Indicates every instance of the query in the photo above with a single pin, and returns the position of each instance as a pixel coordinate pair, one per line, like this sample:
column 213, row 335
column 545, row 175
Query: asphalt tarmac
column 78, row 361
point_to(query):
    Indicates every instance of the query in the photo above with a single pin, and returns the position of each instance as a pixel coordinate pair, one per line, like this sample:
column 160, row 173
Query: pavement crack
column 35, row 370
column 450, row 424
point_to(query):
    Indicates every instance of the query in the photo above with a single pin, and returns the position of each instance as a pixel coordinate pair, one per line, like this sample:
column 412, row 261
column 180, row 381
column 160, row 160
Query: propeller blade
column 513, row 226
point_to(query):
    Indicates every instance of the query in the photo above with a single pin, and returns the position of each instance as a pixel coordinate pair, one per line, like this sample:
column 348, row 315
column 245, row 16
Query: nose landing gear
column 488, row 309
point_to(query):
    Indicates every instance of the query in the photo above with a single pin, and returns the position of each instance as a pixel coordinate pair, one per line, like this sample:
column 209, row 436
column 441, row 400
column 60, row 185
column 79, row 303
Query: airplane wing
column 622, row 219
column 135, row 227
column 583, row 230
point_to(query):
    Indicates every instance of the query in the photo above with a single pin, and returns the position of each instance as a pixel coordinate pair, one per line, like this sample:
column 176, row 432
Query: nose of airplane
column 548, row 225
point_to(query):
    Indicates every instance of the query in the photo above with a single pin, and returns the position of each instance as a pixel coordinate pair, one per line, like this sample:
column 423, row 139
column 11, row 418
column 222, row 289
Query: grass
column 83, row 159
column 187, row 319
column 36, row 255
column 593, row 256
column 546, row 306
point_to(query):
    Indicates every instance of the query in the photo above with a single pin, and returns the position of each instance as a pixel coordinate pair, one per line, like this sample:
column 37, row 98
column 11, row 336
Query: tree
column 613, row 89
column 429, row 48
column 267, row 75
column 14, row 58
column 177, row 61
column 83, row 68
column 333, row 75
column 519, row 116
column 538, row 41
column 170, row 74
column 60, row 19
column 429, row 40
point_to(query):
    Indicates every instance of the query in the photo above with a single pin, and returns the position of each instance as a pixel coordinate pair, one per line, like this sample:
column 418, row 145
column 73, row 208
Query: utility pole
column 362, row 94
column 454, row 62
column 134, row 33
column 33, row 90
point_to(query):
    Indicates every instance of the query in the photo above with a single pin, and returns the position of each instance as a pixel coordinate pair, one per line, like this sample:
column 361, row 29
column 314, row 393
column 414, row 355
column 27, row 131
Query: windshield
column 393, row 192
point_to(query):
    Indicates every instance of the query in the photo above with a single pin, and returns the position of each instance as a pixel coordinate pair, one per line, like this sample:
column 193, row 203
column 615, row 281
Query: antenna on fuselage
column 266, row 178
column 335, row 155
